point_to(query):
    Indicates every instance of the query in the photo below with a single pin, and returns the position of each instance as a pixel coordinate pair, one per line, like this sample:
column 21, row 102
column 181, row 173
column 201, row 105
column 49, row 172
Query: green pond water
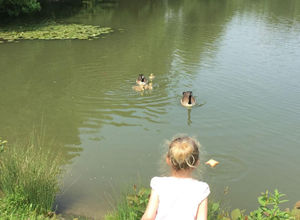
column 241, row 58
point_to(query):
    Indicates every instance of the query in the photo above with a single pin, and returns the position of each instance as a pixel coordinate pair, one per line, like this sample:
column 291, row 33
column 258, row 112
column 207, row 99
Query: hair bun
column 183, row 153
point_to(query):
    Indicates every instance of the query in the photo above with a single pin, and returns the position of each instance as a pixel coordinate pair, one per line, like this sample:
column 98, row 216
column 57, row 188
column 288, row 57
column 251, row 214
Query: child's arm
column 202, row 210
column 152, row 206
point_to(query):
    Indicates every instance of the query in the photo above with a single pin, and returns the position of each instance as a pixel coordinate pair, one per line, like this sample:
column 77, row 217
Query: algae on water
column 53, row 31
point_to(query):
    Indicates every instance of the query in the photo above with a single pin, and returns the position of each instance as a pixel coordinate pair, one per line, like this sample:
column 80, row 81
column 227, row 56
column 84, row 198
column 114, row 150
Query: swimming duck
column 151, row 77
column 188, row 100
column 141, row 80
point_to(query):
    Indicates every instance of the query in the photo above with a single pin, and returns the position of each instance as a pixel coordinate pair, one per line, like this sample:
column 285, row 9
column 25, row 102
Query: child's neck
column 181, row 173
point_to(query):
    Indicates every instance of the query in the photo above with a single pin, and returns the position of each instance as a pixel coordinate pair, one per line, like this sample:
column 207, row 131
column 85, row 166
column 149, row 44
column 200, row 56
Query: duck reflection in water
column 189, row 120
column 188, row 100
column 189, row 112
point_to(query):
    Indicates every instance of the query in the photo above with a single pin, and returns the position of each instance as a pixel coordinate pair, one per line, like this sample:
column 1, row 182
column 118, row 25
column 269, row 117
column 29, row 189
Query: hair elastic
column 188, row 163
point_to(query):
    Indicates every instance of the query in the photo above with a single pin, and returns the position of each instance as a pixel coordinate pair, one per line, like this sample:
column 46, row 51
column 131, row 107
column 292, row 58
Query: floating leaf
column 53, row 31
column 235, row 214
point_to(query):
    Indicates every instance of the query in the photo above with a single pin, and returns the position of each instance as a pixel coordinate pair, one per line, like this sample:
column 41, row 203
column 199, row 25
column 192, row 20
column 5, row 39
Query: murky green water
column 240, row 57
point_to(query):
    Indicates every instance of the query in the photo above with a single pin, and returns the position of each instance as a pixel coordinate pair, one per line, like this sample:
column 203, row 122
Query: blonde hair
column 183, row 153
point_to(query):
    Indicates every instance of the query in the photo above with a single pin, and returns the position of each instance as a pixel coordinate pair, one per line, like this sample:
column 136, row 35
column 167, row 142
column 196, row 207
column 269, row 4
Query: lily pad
column 53, row 31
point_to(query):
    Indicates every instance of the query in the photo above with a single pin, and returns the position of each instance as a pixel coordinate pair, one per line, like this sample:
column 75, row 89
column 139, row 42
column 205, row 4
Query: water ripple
column 119, row 105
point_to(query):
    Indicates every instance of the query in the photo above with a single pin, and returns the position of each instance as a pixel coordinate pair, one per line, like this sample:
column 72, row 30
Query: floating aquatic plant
column 53, row 31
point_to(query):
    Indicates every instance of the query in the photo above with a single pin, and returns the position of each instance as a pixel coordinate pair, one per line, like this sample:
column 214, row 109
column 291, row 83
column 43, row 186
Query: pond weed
column 52, row 31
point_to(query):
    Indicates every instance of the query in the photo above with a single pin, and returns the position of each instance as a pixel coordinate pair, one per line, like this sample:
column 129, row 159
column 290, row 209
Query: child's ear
column 197, row 163
column 168, row 161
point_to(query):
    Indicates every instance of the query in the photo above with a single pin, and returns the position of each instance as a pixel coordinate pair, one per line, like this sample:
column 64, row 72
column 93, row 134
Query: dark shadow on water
column 58, row 10
column 51, row 11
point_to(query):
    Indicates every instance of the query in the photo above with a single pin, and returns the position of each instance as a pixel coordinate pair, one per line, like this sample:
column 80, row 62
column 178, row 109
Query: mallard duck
column 188, row 100
column 151, row 77
column 141, row 80
column 148, row 86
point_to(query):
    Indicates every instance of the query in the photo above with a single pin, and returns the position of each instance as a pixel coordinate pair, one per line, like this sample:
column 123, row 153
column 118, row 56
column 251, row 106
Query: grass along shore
column 29, row 180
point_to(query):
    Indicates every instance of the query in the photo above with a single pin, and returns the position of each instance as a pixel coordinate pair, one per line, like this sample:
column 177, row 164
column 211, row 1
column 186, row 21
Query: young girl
column 179, row 197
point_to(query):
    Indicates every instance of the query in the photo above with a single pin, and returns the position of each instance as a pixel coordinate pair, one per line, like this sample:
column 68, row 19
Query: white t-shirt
column 179, row 198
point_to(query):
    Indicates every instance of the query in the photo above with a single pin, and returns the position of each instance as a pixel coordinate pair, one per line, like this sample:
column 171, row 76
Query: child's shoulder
column 158, row 180
column 159, row 184
column 163, row 185
column 177, row 181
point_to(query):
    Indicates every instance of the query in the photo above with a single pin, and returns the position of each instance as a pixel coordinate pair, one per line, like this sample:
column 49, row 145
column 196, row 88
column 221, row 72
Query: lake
column 241, row 59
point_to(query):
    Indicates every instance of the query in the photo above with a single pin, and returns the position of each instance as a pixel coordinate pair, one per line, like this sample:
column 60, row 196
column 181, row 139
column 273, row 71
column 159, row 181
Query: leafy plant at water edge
column 268, row 210
column 269, row 207
column 132, row 206
column 138, row 201
column 214, row 212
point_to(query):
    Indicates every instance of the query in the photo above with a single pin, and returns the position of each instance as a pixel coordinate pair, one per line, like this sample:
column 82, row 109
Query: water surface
column 240, row 58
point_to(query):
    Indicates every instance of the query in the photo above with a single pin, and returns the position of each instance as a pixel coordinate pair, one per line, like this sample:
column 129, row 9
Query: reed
column 29, row 179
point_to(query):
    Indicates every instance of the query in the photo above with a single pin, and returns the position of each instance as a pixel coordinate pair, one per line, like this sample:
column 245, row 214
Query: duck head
column 141, row 78
column 151, row 77
column 188, row 95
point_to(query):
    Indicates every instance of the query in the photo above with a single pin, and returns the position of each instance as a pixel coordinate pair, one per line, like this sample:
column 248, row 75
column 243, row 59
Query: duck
column 151, row 77
column 148, row 86
column 141, row 80
column 188, row 100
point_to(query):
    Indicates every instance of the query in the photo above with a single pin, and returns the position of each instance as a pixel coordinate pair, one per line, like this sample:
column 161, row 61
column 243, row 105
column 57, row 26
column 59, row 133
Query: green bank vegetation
column 132, row 205
column 52, row 31
column 29, row 180
column 19, row 7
